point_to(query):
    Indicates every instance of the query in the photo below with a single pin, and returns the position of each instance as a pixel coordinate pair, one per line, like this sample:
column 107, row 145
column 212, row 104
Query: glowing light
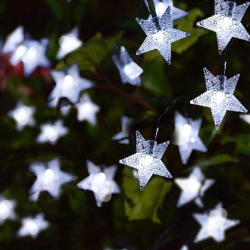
column 218, row 98
column 51, row 133
column 32, row 227
column 68, row 83
column 5, row 209
column 160, row 8
column 18, row 54
column 246, row 118
column 30, row 55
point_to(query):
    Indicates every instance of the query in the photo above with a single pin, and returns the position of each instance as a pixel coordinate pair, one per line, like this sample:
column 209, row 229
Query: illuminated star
column 35, row 55
column 160, row 35
column 49, row 178
column 68, row 43
column 219, row 96
column 129, row 70
column 187, row 131
column 13, row 40
column 147, row 159
column 184, row 248
column 214, row 224
column 23, row 115
column 226, row 22
column 161, row 6
column 51, row 132
column 246, row 118
column 64, row 109
column 193, row 187
column 122, row 136
column 87, row 110
column 69, row 84
column 100, row 182
column 6, row 209
column 32, row 226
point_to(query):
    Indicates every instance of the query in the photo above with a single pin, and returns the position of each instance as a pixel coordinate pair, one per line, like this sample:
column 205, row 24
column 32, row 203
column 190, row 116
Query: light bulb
column 51, row 133
column 159, row 37
column 224, row 23
column 32, row 226
column 49, row 176
column 5, row 207
column 146, row 161
column 160, row 9
column 22, row 115
column 68, row 83
column 218, row 98
column 30, row 55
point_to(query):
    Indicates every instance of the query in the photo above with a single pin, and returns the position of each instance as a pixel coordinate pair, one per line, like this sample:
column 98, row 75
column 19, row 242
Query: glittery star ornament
column 219, row 96
column 101, row 182
column 35, row 55
column 68, row 43
column 187, row 136
column 51, row 132
column 6, row 209
column 23, row 115
column 87, row 110
column 147, row 159
column 245, row 118
column 49, row 178
column 128, row 69
column 160, row 35
column 214, row 224
column 226, row 22
column 69, row 84
column 122, row 136
column 161, row 6
column 193, row 187
column 32, row 226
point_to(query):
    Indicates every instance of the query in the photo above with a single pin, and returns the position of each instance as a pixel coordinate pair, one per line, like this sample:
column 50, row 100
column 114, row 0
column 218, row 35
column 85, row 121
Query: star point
column 147, row 159
column 219, row 96
column 7, row 208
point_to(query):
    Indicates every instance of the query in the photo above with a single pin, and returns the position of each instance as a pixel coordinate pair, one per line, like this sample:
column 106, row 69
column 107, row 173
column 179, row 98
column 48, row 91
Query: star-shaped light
column 187, row 136
column 161, row 6
column 23, row 115
column 101, row 182
column 219, row 96
column 214, row 224
column 147, row 159
column 6, row 209
column 226, row 22
column 64, row 109
column 160, row 35
column 13, row 40
column 68, row 43
column 129, row 70
column 184, row 247
column 246, row 118
column 49, row 178
column 122, row 136
column 69, row 84
column 32, row 226
column 193, row 187
column 35, row 55
column 87, row 110
column 51, row 132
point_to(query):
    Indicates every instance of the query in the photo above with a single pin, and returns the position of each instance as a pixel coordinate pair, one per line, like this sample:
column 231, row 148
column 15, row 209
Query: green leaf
column 243, row 143
column 144, row 204
column 218, row 159
column 56, row 9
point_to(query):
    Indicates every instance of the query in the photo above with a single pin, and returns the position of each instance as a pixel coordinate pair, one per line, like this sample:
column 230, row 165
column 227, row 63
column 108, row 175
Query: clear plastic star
column 49, row 178
column 214, row 224
column 13, row 40
column 35, row 55
column 161, row 6
column 87, row 110
column 32, row 226
column 160, row 35
column 129, row 70
column 23, row 115
column 187, row 136
column 193, row 187
column 122, row 136
column 68, row 43
column 147, row 159
column 219, row 96
column 226, row 22
column 6, row 209
column 69, row 84
column 52, row 132
column 101, row 182
column 246, row 118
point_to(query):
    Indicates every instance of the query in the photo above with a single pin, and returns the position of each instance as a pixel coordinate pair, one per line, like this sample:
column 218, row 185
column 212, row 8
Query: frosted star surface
column 214, row 224
column 226, row 22
column 147, row 160
column 160, row 35
column 49, row 178
column 100, row 182
column 193, row 187
column 69, row 84
column 128, row 69
column 189, row 140
column 219, row 97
